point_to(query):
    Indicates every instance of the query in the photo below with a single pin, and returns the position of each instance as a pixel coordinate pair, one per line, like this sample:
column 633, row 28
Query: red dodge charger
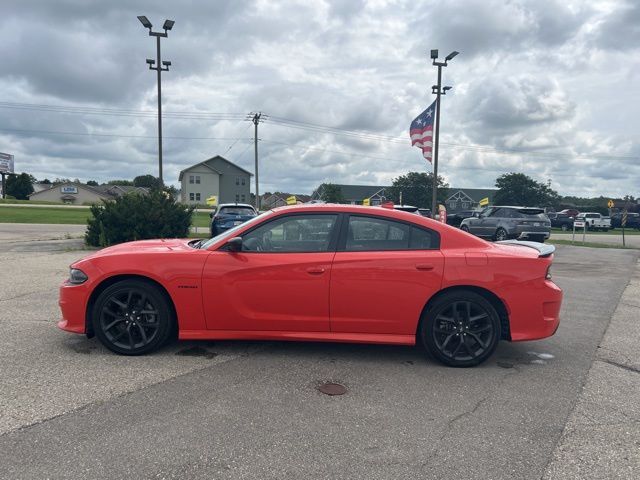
column 336, row 273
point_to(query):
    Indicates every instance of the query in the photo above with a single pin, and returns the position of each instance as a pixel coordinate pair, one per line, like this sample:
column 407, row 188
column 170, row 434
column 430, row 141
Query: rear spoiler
column 544, row 249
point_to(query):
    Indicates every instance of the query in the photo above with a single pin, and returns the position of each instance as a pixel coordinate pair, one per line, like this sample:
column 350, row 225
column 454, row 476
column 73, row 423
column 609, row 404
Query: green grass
column 588, row 244
column 617, row 231
column 75, row 216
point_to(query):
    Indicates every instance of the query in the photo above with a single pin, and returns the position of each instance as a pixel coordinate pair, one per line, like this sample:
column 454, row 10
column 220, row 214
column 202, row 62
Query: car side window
column 293, row 233
column 371, row 234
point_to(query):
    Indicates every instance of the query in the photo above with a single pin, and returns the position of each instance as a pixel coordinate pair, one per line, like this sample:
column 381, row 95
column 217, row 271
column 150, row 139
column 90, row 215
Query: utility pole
column 256, row 121
column 160, row 66
column 438, row 90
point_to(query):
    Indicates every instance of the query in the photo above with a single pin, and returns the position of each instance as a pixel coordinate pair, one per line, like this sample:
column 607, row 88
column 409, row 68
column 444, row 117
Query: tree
column 19, row 186
column 331, row 193
column 520, row 189
column 46, row 181
column 92, row 183
column 147, row 181
column 417, row 189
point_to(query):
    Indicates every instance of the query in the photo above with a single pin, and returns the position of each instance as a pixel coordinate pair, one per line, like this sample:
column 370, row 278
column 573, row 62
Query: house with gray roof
column 467, row 198
column 355, row 194
column 80, row 194
column 218, row 177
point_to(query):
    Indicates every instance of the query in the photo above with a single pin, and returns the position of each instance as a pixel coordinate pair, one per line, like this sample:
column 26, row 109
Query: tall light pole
column 256, row 121
column 160, row 66
column 438, row 90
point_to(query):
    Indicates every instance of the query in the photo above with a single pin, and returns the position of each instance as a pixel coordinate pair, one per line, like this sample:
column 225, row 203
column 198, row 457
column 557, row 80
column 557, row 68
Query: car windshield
column 236, row 211
column 230, row 233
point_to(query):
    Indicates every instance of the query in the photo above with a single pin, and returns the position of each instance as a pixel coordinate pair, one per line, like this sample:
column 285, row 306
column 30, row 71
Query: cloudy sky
column 549, row 88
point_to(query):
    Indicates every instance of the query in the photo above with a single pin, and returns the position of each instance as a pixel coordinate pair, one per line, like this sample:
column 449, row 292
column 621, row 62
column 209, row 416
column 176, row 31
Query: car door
column 383, row 274
column 279, row 281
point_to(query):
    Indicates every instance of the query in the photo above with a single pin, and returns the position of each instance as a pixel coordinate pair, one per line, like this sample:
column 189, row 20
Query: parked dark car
column 425, row 212
column 229, row 215
column 505, row 222
column 633, row 220
column 561, row 220
column 455, row 219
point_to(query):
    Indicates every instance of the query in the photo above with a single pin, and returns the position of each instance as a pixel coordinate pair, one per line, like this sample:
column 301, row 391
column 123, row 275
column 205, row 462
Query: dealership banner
column 6, row 163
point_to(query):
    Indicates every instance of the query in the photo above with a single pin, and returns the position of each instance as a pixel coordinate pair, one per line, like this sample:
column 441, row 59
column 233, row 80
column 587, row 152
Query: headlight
column 548, row 275
column 76, row 277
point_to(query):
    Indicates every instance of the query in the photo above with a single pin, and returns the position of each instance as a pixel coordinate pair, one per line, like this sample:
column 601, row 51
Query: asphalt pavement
column 71, row 409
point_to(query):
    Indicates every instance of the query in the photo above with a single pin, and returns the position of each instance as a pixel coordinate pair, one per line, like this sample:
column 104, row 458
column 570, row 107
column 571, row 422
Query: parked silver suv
column 502, row 223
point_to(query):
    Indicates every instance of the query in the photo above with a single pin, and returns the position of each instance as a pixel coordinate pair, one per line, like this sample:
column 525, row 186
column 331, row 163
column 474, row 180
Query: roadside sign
column 366, row 202
column 484, row 202
column 610, row 204
column 212, row 201
column 6, row 163
column 579, row 224
column 292, row 200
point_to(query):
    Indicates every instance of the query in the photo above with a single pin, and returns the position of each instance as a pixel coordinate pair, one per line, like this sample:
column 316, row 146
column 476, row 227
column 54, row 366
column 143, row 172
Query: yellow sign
column 366, row 202
column 610, row 204
column 484, row 202
column 292, row 200
column 212, row 201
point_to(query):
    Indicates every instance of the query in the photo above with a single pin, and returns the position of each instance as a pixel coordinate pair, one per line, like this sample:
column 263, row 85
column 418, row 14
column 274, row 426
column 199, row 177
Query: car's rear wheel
column 564, row 227
column 132, row 317
column 464, row 228
column 501, row 234
column 460, row 329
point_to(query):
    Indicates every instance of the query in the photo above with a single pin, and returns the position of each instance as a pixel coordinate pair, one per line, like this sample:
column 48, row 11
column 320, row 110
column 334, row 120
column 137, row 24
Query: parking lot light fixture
column 438, row 91
column 159, row 66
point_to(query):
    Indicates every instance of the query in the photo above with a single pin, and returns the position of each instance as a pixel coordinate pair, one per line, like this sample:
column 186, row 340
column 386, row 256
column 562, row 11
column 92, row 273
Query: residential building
column 81, row 194
column 467, row 198
column 355, row 194
column 215, row 176
column 279, row 199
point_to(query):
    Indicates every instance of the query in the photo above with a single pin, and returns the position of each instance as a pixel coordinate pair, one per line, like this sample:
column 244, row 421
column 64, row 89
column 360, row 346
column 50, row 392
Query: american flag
column 421, row 131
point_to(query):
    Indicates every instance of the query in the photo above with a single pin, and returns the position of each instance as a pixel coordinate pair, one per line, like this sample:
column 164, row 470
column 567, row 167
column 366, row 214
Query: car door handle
column 315, row 270
column 424, row 266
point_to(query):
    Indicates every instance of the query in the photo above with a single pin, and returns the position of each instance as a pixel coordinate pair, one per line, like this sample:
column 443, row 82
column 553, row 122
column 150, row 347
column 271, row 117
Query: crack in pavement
column 22, row 295
column 620, row 365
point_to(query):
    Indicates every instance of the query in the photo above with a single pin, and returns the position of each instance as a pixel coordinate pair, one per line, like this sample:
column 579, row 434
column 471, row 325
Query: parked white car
column 594, row 221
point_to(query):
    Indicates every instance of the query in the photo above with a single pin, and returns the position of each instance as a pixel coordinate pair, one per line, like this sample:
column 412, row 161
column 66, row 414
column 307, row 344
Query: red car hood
column 156, row 246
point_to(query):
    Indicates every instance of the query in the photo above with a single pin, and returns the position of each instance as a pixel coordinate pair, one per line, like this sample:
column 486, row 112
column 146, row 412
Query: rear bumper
column 535, row 314
column 531, row 234
column 72, row 302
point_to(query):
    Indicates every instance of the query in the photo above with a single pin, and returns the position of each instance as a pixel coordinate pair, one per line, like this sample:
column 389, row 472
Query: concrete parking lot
column 71, row 409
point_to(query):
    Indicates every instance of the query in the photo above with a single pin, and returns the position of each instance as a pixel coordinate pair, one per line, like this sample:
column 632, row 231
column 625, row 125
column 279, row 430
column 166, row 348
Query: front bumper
column 72, row 302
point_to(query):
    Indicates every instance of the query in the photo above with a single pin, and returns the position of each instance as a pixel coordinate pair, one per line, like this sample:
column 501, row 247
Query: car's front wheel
column 460, row 329
column 464, row 228
column 565, row 227
column 132, row 317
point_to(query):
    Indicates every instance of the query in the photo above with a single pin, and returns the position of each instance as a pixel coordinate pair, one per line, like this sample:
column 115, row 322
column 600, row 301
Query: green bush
column 137, row 216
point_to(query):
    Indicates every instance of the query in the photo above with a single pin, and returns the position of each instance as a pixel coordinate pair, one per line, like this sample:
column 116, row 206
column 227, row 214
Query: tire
column 500, row 235
column 564, row 227
column 537, row 238
column 132, row 317
column 464, row 317
column 464, row 228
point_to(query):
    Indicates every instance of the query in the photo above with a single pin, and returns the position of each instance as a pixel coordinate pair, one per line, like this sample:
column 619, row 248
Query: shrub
column 137, row 216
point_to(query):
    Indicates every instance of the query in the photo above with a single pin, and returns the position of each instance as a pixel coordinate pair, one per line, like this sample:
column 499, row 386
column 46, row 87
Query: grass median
column 69, row 216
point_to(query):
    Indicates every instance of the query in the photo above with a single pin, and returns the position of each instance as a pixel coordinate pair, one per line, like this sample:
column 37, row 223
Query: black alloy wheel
column 132, row 317
column 501, row 234
column 461, row 329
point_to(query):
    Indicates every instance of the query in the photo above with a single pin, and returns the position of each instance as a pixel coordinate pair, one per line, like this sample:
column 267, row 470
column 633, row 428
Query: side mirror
column 476, row 214
column 235, row 244
column 210, row 214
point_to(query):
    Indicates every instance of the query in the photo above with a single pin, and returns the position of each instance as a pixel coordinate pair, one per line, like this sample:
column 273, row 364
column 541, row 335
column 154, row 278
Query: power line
column 117, row 135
